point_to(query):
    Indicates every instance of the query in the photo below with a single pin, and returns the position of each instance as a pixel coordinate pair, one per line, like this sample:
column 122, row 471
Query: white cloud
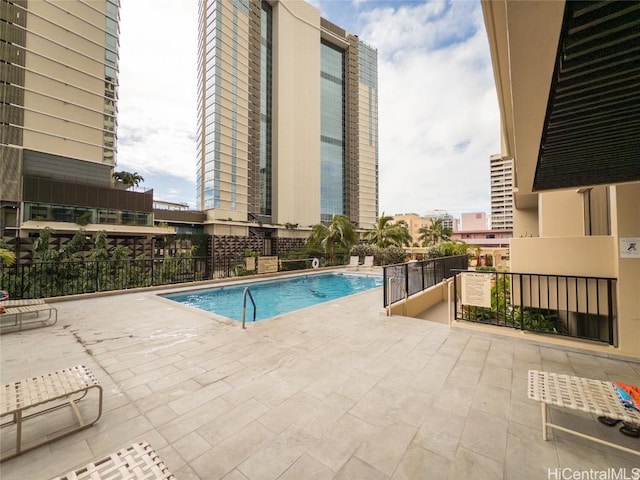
column 438, row 111
column 157, row 95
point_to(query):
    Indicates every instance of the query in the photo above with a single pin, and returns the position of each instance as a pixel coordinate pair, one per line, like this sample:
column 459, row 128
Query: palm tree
column 128, row 179
column 338, row 234
column 7, row 257
column 387, row 233
column 434, row 233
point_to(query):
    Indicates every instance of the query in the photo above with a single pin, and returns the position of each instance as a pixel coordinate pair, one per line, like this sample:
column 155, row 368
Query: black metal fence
column 567, row 305
column 414, row 277
column 53, row 279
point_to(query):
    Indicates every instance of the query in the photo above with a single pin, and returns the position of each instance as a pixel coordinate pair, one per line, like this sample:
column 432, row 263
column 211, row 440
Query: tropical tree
column 338, row 235
column 7, row 257
column 434, row 233
column 128, row 179
column 388, row 233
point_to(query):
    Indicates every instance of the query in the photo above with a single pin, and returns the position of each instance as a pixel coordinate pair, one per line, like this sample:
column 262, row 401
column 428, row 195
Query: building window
column 332, row 131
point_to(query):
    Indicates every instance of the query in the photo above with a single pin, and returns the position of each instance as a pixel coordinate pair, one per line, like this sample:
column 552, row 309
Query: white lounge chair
column 24, row 400
column 368, row 261
column 582, row 394
column 354, row 261
column 14, row 318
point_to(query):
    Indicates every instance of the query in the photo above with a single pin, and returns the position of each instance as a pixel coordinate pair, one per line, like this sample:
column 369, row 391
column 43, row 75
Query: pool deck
column 334, row 391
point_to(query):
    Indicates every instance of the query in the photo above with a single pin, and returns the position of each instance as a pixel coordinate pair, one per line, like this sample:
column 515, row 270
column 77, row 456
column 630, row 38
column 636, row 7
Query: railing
column 51, row 279
column 394, row 281
column 246, row 293
column 566, row 305
column 418, row 276
column 60, row 278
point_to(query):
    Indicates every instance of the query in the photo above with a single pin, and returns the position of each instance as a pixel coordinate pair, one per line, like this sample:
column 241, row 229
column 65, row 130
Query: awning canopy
column 591, row 133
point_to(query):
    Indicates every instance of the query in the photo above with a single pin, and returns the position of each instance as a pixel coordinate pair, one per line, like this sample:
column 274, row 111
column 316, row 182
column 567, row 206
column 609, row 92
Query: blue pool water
column 276, row 297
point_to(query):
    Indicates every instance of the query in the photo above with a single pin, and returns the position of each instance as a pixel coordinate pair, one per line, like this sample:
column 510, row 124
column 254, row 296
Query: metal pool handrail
column 244, row 304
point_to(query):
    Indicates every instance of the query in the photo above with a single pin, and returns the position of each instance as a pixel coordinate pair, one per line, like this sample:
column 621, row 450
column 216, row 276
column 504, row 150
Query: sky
column 438, row 112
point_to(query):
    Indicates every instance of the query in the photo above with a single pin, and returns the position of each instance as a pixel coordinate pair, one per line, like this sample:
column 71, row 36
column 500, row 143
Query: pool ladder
column 245, row 294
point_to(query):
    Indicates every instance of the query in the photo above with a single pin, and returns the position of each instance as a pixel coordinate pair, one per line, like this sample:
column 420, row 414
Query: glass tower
column 332, row 131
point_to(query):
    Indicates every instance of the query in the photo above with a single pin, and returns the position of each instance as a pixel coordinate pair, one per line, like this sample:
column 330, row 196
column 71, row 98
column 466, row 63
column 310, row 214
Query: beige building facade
column 59, row 108
column 287, row 119
column 568, row 97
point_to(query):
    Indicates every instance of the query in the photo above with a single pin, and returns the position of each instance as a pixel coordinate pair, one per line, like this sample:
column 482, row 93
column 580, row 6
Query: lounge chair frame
column 582, row 394
column 137, row 461
column 27, row 314
column 24, row 400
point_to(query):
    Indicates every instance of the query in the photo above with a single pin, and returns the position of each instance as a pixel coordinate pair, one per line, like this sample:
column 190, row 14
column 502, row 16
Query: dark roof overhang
column 591, row 134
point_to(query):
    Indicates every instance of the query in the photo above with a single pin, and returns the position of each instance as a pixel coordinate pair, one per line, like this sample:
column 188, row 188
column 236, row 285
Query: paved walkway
column 335, row 391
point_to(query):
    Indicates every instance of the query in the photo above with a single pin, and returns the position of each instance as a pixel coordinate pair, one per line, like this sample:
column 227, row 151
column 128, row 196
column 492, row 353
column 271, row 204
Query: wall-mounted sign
column 250, row 263
column 630, row 247
column 267, row 264
column 476, row 289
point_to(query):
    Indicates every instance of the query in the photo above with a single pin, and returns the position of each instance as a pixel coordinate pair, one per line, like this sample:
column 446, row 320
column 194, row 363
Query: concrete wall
column 296, row 111
column 626, row 224
column 419, row 302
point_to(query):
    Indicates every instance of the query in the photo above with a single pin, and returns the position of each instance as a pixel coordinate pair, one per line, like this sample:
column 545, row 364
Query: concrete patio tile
column 357, row 469
column 308, row 468
column 233, row 475
column 337, row 446
column 493, row 400
column 485, row 435
column 440, row 433
column 479, row 344
column 226, row 456
column 111, row 439
column 277, row 455
column 420, row 463
column 199, row 397
column 500, row 358
column 191, row 421
column 163, row 398
column 331, row 410
column 526, row 412
column 376, row 403
column 191, row 446
column 464, row 374
column 469, row 464
column 571, row 457
column 473, row 357
column 228, row 423
column 455, row 397
column 349, row 392
column 442, row 362
column 385, row 446
column 495, row 376
column 528, row 456
column 430, row 380
column 299, row 409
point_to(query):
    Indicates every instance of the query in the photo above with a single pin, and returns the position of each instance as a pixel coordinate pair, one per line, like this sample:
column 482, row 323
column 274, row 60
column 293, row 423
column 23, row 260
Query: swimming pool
column 276, row 297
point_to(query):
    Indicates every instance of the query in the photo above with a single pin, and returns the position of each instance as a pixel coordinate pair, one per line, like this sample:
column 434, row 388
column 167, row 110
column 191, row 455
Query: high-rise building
column 501, row 192
column 287, row 119
column 58, row 98
column 447, row 219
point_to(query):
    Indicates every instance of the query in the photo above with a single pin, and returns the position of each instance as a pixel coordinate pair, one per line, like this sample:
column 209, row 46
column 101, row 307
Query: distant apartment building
column 447, row 219
column 414, row 223
column 501, row 192
column 287, row 120
column 59, row 104
column 473, row 221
